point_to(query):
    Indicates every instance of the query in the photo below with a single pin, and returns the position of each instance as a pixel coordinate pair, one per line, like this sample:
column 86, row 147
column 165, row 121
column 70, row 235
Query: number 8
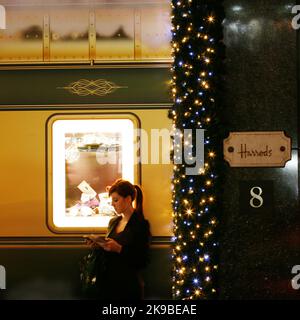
column 256, row 196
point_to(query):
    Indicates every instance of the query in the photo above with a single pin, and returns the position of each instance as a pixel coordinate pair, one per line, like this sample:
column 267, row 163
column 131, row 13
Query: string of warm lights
column 197, row 59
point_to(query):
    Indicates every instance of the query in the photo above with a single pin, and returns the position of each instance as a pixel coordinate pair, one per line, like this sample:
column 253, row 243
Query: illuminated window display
column 88, row 155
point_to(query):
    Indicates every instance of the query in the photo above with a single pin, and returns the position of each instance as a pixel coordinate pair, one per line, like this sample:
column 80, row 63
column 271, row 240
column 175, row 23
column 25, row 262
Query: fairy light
column 211, row 19
column 196, row 39
column 189, row 212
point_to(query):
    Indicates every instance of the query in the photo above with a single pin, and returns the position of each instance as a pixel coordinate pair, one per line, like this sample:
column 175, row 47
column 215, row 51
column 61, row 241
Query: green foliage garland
column 198, row 54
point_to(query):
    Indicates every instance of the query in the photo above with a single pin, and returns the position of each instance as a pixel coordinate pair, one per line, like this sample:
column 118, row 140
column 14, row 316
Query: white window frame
column 58, row 126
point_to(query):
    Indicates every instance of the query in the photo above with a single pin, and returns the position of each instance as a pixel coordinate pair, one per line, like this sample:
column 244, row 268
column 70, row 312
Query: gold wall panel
column 115, row 33
column 73, row 31
column 155, row 41
column 69, row 39
column 22, row 40
column 23, row 173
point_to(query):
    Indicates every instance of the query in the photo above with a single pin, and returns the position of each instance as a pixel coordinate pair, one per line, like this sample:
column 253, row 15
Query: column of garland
column 198, row 53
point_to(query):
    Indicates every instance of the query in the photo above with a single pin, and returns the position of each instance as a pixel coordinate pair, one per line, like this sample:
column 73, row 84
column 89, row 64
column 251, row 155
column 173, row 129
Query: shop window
column 86, row 157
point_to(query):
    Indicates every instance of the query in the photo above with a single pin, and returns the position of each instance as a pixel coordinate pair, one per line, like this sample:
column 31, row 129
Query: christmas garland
column 198, row 53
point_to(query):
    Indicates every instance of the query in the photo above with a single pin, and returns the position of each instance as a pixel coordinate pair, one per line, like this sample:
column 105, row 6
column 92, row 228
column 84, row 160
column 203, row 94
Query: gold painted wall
column 23, row 173
column 80, row 31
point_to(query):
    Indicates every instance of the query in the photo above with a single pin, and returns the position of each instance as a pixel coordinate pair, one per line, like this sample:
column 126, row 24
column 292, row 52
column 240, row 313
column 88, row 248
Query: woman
column 126, row 244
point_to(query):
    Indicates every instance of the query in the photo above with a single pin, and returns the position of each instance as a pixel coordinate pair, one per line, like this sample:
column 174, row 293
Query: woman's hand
column 92, row 241
column 107, row 245
column 111, row 245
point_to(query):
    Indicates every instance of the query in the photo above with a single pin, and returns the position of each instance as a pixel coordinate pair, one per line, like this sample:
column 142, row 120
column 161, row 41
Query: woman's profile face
column 119, row 203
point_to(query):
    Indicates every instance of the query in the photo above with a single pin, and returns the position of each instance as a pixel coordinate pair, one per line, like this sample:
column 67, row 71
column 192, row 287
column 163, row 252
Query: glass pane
column 76, row 31
column 88, row 156
column 114, row 33
column 156, row 32
column 69, row 38
column 22, row 40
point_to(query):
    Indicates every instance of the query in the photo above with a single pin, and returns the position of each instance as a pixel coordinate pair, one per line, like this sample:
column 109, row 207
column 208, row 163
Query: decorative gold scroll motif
column 99, row 87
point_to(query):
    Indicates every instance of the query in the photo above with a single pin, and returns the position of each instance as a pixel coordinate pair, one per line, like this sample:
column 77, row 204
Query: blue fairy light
column 206, row 257
column 196, row 281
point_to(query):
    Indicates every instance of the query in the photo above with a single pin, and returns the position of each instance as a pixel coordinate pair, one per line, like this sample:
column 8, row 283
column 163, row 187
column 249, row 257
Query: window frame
column 50, row 154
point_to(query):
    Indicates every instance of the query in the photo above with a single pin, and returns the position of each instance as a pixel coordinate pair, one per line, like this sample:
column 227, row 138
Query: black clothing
column 122, row 279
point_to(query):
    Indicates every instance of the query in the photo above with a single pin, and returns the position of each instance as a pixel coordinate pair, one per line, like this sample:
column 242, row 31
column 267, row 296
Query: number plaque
column 256, row 196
